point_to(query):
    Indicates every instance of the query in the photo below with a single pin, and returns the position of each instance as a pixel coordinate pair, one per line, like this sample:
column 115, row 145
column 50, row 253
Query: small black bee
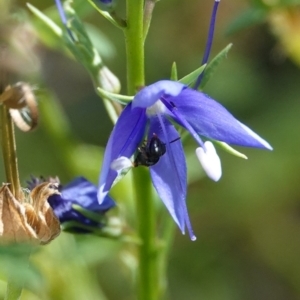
column 150, row 153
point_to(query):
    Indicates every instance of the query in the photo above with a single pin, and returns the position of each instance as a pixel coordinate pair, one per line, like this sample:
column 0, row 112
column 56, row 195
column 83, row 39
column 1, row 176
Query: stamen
column 209, row 41
column 210, row 161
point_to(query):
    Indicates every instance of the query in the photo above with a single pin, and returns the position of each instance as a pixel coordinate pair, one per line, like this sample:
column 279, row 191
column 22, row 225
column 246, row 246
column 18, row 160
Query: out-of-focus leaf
column 15, row 265
column 285, row 3
column 212, row 66
column 100, row 41
column 252, row 16
column 44, row 22
column 285, row 25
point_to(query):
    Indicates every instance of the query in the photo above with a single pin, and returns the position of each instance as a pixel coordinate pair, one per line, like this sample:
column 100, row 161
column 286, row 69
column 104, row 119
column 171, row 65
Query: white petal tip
column 268, row 146
column 193, row 238
column 257, row 137
column 210, row 161
column 101, row 194
column 121, row 163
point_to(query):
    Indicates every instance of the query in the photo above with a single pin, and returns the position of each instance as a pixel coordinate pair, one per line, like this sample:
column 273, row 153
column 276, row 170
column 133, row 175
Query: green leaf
column 122, row 99
column 113, row 19
column 191, row 78
column 41, row 16
column 174, row 74
column 214, row 63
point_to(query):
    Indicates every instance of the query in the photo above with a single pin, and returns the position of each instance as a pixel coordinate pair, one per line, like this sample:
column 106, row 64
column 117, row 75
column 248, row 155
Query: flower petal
column 83, row 193
column 210, row 119
column 169, row 175
column 151, row 93
column 123, row 141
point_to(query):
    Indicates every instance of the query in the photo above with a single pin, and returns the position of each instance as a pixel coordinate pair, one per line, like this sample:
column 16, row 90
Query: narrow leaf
column 190, row 78
column 211, row 67
column 174, row 74
column 230, row 150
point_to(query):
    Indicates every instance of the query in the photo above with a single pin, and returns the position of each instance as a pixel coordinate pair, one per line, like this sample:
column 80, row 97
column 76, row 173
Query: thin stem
column 9, row 152
column 147, row 269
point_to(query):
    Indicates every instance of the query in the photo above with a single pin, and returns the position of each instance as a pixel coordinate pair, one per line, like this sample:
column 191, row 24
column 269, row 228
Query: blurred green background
column 247, row 225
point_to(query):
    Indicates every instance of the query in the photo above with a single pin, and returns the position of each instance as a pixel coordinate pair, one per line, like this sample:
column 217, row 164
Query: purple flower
column 151, row 113
column 77, row 207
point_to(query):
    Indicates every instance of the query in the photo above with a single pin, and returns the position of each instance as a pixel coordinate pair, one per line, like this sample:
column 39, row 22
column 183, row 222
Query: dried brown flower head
column 30, row 219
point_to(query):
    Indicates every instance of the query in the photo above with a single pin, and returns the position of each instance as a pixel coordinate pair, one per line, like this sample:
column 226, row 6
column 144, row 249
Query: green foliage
column 213, row 64
column 247, row 226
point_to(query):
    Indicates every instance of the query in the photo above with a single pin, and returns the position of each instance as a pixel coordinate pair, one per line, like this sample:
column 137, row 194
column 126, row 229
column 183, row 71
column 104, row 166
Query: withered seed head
column 29, row 219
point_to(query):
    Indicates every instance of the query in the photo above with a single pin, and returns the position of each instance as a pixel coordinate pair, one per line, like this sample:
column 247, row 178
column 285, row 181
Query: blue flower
column 77, row 207
column 151, row 113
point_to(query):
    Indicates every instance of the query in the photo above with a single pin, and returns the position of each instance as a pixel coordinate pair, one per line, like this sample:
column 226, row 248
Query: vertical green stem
column 135, row 45
column 9, row 152
column 147, row 268
column 148, row 279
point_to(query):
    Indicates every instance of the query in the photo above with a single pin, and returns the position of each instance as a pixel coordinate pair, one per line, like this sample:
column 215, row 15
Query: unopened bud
column 108, row 81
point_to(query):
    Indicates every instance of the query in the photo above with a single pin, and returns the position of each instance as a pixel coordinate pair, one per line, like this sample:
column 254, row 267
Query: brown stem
column 9, row 152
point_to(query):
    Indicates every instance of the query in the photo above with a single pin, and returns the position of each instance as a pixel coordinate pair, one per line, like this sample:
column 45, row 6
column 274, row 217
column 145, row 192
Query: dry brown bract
column 30, row 219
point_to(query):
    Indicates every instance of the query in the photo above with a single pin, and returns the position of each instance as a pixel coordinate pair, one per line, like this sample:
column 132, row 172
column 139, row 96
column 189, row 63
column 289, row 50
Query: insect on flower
column 150, row 153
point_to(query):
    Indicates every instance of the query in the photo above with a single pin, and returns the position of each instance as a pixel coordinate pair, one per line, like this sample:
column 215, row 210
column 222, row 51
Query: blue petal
column 123, row 141
column 169, row 174
column 151, row 93
column 210, row 119
column 83, row 193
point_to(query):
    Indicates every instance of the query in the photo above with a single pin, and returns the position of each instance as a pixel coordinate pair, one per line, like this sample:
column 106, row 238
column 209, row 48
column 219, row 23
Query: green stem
column 135, row 46
column 147, row 266
column 148, row 279
column 9, row 152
